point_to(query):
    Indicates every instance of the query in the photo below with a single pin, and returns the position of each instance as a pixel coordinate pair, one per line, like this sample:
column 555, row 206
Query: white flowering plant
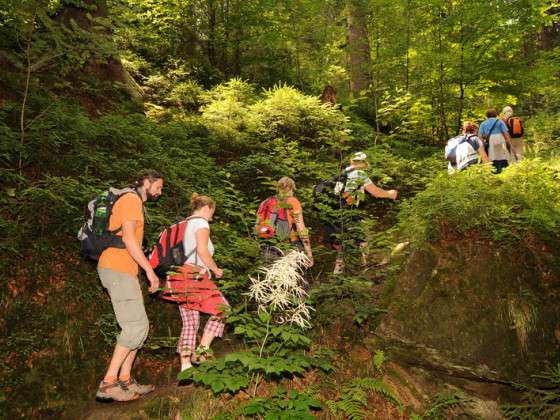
column 274, row 331
column 280, row 290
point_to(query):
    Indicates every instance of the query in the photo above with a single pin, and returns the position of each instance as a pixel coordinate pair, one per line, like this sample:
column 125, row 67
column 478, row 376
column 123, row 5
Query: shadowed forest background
column 224, row 97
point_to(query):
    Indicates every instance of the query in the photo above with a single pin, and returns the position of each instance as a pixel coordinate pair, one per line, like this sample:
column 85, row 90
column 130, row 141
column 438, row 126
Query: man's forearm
column 136, row 253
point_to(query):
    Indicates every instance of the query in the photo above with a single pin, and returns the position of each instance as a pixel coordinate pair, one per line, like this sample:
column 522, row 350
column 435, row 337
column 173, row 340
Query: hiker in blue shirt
column 497, row 141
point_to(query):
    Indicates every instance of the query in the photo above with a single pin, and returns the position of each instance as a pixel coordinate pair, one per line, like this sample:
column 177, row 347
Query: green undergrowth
column 539, row 402
column 441, row 407
column 520, row 203
column 233, row 148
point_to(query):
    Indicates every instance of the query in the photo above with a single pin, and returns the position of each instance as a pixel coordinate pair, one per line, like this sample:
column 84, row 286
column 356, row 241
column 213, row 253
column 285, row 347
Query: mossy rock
column 485, row 309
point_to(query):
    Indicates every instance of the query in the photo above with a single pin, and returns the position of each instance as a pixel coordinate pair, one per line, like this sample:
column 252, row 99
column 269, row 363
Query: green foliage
column 235, row 371
column 288, row 114
column 406, row 117
column 283, row 405
column 543, row 133
column 439, row 406
column 378, row 359
column 186, row 95
column 403, row 165
column 226, row 109
column 521, row 201
column 453, row 61
column 253, row 328
column 108, row 327
column 349, row 297
column 540, row 402
column 353, row 401
column 275, row 351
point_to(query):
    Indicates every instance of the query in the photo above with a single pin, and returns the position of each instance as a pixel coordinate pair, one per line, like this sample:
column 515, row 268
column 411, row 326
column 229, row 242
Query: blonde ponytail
column 200, row 201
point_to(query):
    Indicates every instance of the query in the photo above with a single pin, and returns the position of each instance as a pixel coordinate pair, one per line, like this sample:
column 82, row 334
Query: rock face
column 480, row 309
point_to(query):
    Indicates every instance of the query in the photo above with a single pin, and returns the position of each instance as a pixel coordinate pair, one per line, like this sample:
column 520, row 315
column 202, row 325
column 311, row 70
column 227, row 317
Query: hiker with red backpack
column 281, row 218
column 121, row 256
column 197, row 293
column 516, row 131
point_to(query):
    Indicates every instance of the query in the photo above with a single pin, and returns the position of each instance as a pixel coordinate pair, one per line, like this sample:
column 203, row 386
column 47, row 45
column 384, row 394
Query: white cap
column 359, row 156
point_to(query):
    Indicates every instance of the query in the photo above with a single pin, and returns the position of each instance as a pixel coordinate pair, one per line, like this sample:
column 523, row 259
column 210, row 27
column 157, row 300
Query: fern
column 378, row 359
column 354, row 397
column 440, row 404
column 543, row 402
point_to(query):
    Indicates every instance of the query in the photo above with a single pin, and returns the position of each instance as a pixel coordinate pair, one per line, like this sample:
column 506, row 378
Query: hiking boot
column 134, row 386
column 115, row 392
column 202, row 354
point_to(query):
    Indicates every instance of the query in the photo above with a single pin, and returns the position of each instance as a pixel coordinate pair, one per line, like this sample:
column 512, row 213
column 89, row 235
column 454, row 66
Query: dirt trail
column 160, row 401
column 167, row 399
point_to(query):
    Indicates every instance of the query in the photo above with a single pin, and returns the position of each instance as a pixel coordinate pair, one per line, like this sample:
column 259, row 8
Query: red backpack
column 169, row 251
column 272, row 219
column 515, row 127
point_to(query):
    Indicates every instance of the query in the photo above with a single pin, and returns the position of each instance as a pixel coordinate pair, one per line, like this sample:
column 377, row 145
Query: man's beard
column 152, row 198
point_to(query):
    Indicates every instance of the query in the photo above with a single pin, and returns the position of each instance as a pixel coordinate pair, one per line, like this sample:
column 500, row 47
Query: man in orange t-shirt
column 118, row 271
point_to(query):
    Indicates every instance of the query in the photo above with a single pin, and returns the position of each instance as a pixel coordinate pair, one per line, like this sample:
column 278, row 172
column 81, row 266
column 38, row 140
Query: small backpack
column 451, row 147
column 334, row 185
column 94, row 235
column 272, row 219
column 515, row 127
column 169, row 250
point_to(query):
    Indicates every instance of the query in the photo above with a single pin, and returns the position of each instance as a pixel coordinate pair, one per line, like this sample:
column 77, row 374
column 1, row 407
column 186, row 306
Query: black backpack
column 94, row 235
column 328, row 186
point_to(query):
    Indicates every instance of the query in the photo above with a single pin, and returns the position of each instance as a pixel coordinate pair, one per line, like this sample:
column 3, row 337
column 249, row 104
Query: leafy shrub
column 226, row 114
column 406, row 117
column 543, row 135
column 282, row 405
column 403, row 166
column 285, row 112
column 158, row 86
column 186, row 95
column 521, row 201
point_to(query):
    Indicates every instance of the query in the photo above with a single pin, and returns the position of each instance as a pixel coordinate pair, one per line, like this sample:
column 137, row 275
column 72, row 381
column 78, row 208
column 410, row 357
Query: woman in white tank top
column 199, row 251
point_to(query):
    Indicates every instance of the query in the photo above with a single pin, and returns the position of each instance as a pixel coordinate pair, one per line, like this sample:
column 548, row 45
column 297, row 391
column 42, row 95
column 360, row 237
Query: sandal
column 185, row 358
column 202, row 354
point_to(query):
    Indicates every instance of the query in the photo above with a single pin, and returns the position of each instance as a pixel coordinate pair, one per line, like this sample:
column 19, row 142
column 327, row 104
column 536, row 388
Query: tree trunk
column 109, row 68
column 550, row 35
column 211, row 49
column 80, row 15
column 376, row 82
column 225, row 49
column 358, row 47
column 407, row 56
column 441, row 83
column 22, row 112
column 461, row 77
